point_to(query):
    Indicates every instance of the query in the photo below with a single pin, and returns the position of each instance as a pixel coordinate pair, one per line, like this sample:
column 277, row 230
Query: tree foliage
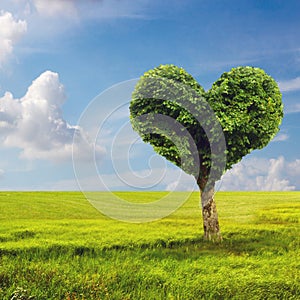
column 248, row 105
column 245, row 102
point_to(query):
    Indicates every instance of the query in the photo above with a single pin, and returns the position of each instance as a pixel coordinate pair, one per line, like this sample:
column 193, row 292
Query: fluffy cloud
column 263, row 175
column 11, row 31
column 35, row 123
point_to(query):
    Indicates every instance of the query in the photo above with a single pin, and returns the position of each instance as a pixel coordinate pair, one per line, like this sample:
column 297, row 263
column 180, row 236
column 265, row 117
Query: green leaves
column 250, row 111
column 171, row 91
column 244, row 102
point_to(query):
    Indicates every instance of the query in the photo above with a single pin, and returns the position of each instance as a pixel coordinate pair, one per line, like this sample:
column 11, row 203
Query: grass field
column 57, row 246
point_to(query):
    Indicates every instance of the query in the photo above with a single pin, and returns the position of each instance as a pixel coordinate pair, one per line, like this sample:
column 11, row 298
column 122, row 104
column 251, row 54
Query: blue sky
column 57, row 56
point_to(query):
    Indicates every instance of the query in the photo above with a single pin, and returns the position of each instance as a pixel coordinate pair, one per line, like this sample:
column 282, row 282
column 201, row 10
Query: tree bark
column 210, row 216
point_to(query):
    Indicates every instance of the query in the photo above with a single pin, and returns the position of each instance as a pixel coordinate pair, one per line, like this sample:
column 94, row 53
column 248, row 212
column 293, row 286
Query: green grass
column 57, row 246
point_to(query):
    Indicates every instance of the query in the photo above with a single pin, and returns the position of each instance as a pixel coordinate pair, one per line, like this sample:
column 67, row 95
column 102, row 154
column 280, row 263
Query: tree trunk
column 210, row 216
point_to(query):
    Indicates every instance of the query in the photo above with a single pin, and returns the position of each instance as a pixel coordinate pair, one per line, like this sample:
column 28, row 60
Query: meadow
column 55, row 245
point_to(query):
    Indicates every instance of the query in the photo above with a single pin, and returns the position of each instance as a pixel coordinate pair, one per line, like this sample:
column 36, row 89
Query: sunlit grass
column 57, row 246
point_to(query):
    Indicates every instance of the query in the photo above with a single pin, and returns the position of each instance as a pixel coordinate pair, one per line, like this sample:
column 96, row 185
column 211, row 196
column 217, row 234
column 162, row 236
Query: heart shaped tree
column 205, row 133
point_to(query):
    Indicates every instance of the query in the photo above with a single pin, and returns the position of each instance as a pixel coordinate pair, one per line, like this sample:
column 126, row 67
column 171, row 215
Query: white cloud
column 289, row 85
column 11, row 31
column 47, row 19
column 35, row 123
column 252, row 174
column 263, row 175
column 294, row 170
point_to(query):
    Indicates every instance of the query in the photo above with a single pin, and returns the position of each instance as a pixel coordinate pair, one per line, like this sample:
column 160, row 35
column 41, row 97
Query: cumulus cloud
column 35, row 123
column 263, row 175
column 11, row 31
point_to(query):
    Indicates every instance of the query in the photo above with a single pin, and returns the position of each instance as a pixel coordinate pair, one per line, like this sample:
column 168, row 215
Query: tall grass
column 57, row 246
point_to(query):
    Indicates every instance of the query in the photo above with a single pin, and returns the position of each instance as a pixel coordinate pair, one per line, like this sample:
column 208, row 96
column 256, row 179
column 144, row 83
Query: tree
column 205, row 133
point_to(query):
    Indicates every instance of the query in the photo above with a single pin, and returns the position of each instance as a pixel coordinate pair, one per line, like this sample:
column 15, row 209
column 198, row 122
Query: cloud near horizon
column 35, row 123
column 259, row 174
column 251, row 174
